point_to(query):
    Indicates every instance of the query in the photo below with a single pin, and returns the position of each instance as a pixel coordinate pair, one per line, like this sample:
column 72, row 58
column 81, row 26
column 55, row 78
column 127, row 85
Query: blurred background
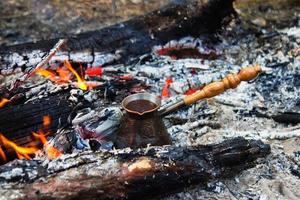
column 32, row 20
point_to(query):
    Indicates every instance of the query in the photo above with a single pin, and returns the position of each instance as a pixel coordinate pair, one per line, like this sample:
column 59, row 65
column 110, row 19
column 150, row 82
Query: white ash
column 18, row 171
column 294, row 31
column 68, row 161
column 264, row 134
column 91, row 96
column 180, row 72
column 196, row 64
column 275, row 91
column 92, row 58
column 43, row 90
column 185, row 135
column 101, row 59
column 15, row 172
column 97, row 125
column 197, row 111
column 30, row 60
column 84, row 115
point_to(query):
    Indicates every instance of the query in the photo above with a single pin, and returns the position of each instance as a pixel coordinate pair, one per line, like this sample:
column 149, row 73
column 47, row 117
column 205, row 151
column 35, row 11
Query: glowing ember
column 165, row 91
column 126, row 77
column 94, row 71
column 178, row 52
column 143, row 164
column 22, row 152
column 93, row 84
column 80, row 83
column 190, row 91
column 3, row 102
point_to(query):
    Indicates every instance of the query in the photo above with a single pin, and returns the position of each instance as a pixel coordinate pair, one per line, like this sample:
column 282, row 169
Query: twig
column 44, row 61
column 52, row 52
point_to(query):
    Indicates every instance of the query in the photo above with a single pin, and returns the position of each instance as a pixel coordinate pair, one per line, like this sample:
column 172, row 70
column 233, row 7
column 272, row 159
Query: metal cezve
column 142, row 123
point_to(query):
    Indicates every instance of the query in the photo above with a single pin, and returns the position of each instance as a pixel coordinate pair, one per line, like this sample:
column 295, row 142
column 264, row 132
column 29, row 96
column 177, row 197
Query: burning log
column 127, row 174
column 17, row 122
column 134, row 37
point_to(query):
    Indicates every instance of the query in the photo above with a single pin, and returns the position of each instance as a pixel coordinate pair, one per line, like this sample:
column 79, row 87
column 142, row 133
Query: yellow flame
column 22, row 152
column 62, row 75
column 81, row 84
column 25, row 152
column 46, row 73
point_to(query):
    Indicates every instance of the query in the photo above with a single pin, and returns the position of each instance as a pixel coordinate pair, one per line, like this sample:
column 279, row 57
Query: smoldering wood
column 17, row 122
column 128, row 174
column 19, row 119
column 134, row 37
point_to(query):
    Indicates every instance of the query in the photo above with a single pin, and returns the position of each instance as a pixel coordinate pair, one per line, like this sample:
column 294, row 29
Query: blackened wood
column 17, row 122
column 287, row 117
column 126, row 174
column 138, row 35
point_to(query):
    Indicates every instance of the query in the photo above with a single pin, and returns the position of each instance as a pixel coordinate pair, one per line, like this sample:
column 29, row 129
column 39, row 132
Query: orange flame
column 22, row 152
column 46, row 120
column 25, row 152
column 3, row 102
column 51, row 151
column 63, row 75
column 46, row 73
column 2, row 154
column 81, row 84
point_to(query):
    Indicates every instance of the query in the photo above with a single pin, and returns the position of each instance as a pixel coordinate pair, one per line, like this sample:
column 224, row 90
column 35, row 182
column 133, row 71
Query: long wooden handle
column 229, row 82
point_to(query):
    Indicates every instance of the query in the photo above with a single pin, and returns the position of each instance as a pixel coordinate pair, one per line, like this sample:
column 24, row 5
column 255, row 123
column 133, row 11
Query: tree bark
column 128, row 174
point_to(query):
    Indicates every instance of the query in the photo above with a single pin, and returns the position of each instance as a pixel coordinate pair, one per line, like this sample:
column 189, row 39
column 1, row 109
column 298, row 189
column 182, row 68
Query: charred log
column 136, row 36
column 127, row 174
column 17, row 122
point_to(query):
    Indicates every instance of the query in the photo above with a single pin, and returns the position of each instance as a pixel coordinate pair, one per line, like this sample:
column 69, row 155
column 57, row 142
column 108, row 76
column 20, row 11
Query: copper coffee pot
column 142, row 123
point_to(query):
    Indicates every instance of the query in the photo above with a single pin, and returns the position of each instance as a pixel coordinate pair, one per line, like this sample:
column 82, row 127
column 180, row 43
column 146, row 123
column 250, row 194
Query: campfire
column 150, row 107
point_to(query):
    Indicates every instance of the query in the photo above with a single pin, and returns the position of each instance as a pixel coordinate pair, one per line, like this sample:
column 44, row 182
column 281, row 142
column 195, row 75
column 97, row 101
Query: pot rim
column 141, row 96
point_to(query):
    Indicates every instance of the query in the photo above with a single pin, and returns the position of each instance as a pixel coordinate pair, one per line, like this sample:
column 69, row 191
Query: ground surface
column 29, row 20
column 252, row 42
column 268, row 33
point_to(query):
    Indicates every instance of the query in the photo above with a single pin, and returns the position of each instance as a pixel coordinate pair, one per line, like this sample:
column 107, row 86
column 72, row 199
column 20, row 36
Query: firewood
column 128, row 174
column 133, row 37
column 17, row 122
